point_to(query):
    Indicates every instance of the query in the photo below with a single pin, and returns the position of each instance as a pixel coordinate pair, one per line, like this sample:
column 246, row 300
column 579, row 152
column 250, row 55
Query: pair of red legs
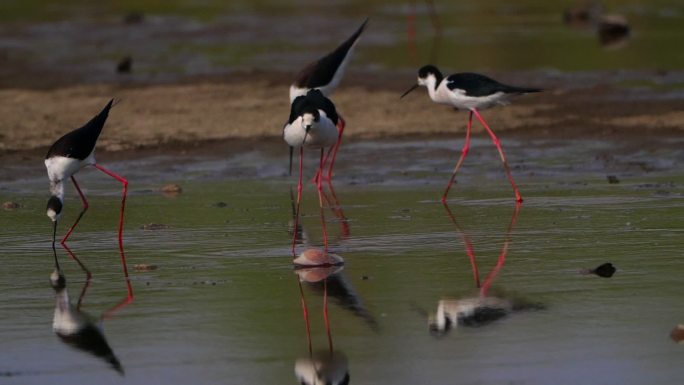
column 326, row 319
column 124, row 182
column 318, row 180
column 470, row 251
column 319, row 186
column 466, row 148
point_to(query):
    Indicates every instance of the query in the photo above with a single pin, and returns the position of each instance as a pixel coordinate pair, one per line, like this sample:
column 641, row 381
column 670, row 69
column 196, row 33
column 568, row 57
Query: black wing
column 321, row 72
column 479, row 85
column 80, row 142
column 313, row 100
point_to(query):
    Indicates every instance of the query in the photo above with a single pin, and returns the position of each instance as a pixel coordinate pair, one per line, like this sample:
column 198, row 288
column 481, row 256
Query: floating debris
column 583, row 13
column 613, row 30
column 677, row 334
column 9, row 205
column 612, row 179
column 171, row 189
column 134, row 17
column 145, row 267
column 605, row 270
column 154, row 226
column 220, row 205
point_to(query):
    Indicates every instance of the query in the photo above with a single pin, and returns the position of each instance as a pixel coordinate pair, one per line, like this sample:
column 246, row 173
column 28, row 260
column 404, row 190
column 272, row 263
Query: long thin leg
column 464, row 153
column 502, row 254
column 85, row 208
column 319, row 186
column 305, row 312
column 437, row 29
column 124, row 182
column 468, row 243
column 411, row 33
column 497, row 143
column 340, row 129
column 325, row 314
column 299, row 199
column 336, row 207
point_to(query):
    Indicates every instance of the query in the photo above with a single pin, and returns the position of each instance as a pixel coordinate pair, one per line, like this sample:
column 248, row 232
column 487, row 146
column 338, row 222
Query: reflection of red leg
column 468, row 245
column 334, row 203
column 299, row 199
column 85, row 207
column 325, row 314
column 319, row 186
column 85, row 269
column 305, row 312
column 124, row 182
column 497, row 143
column 109, row 313
column 464, row 153
column 340, row 129
column 502, row 255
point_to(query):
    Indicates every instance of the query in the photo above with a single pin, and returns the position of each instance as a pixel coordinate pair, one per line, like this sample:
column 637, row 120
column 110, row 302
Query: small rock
column 154, row 226
column 612, row 179
column 605, row 270
column 145, row 267
column 171, row 188
column 9, row 205
column 134, row 17
column 220, row 204
column 125, row 66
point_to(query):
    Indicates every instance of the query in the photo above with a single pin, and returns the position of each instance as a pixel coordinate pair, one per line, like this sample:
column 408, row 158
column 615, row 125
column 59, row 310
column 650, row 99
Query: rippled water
column 223, row 306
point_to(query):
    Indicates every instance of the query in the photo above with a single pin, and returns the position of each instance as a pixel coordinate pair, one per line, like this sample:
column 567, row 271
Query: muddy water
column 223, row 304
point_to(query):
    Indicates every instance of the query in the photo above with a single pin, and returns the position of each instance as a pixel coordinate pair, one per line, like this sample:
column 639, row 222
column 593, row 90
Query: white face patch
column 308, row 120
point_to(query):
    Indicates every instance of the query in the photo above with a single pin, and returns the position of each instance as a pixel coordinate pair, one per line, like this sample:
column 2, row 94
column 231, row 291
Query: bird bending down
column 473, row 92
column 313, row 123
column 68, row 155
column 325, row 75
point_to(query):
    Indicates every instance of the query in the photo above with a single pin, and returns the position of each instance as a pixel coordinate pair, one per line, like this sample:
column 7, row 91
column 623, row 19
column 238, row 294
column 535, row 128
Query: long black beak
column 413, row 87
column 291, row 155
column 306, row 134
column 54, row 250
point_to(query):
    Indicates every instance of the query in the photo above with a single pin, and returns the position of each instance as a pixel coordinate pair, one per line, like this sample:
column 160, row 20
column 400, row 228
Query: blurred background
column 45, row 43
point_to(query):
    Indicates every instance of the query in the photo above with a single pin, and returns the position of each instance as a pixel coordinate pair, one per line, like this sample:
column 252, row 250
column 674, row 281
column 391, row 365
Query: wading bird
column 472, row 92
column 325, row 75
column 312, row 123
column 68, row 155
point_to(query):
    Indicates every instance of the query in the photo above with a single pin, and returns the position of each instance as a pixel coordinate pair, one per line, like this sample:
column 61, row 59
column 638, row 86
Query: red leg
column 502, row 255
column 124, row 182
column 299, row 199
column 334, row 204
column 305, row 312
column 319, row 186
column 470, row 251
column 85, row 208
column 340, row 129
column 325, row 314
column 464, row 153
column 497, row 143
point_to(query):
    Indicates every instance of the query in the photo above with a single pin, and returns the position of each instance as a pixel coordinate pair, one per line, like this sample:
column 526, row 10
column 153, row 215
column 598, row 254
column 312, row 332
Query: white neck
column 431, row 84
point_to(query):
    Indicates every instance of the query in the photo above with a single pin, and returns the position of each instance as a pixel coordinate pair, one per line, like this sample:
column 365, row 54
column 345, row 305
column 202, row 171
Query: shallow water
column 223, row 306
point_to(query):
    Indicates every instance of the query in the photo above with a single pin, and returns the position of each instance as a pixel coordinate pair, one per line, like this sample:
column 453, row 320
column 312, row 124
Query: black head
column 57, row 280
column 54, row 208
column 428, row 70
column 439, row 331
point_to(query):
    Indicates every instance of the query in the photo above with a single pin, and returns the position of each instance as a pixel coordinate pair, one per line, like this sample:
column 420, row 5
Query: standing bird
column 312, row 123
column 473, row 92
column 64, row 159
column 325, row 75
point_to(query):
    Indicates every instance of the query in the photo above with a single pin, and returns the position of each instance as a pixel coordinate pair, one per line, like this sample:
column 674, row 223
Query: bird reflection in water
column 486, row 306
column 327, row 366
column 75, row 327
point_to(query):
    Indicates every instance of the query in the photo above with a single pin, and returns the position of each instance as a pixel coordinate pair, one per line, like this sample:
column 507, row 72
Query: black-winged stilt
column 64, row 159
column 312, row 123
column 473, row 92
column 325, row 75
column 76, row 328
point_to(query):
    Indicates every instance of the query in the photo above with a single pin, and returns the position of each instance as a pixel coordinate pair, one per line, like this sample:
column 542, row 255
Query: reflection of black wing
column 340, row 289
column 90, row 339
